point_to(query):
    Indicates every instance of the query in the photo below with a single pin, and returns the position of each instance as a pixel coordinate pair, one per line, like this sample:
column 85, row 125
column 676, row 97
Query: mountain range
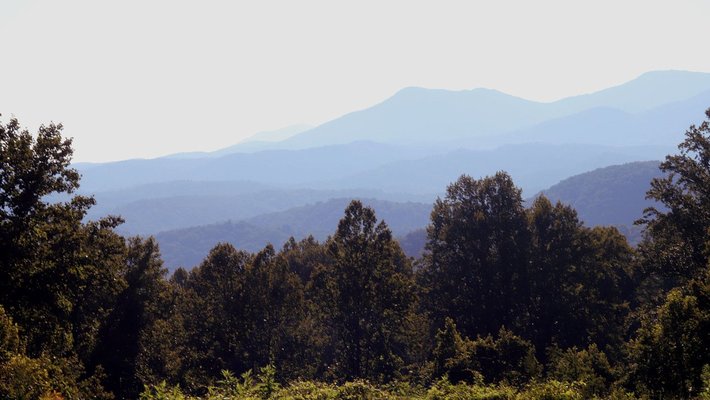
column 405, row 150
column 613, row 195
column 418, row 115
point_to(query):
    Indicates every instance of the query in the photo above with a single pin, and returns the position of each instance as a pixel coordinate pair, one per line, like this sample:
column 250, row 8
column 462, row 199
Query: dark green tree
column 675, row 245
column 372, row 297
column 273, row 311
column 506, row 358
column 10, row 343
column 143, row 301
column 589, row 365
column 452, row 355
column 59, row 276
column 557, row 251
column 305, row 256
column 579, row 281
column 475, row 265
column 606, row 290
column 211, row 307
column 673, row 344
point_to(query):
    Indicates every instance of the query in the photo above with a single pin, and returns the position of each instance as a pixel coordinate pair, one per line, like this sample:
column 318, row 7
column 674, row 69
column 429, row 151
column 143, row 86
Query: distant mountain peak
column 649, row 90
column 417, row 91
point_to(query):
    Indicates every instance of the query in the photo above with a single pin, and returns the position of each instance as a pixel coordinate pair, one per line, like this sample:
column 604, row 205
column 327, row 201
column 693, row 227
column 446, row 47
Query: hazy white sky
column 143, row 78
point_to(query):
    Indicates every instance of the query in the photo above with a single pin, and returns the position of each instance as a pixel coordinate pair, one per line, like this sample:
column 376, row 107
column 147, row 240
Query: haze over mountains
column 613, row 195
column 407, row 149
column 437, row 116
column 188, row 246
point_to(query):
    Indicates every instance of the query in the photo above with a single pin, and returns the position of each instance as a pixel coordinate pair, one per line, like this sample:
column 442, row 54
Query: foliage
column 580, row 281
column 671, row 348
column 59, row 276
column 444, row 390
column 358, row 390
column 370, row 298
column 137, row 308
column 22, row 377
column 476, row 247
column 589, row 366
column 554, row 390
column 507, row 358
column 538, row 271
column 452, row 356
column 675, row 246
column 9, row 337
column 49, row 255
column 161, row 391
column 705, row 393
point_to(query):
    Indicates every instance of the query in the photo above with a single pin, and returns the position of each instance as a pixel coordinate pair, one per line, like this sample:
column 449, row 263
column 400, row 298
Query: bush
column 509, row 358
column 553, row 390
column 360, row 390
column 162, row 391
column 705, row 394
column 308, row 390
column 588, row 365
column 9, row 337
column 22, row 377
column 445, row 390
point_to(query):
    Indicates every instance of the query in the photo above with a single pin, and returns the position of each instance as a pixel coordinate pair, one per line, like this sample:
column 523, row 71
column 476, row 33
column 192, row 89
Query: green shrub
column 553, row 390
column 705, row 377
column 22, row 378
column 588, row 365
column 308, row 390
column 445, row 390
column 360, row 390
column 9, row 337
column 162, row 391
column 507, row 358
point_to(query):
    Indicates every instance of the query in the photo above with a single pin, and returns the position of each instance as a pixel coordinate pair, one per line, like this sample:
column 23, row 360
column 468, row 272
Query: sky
column 145, row 78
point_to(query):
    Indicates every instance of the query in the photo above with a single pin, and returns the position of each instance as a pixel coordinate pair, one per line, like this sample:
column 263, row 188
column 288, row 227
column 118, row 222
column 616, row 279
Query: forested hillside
column 614, row 195
column 187, row 247
column 609, row 196
column 506, row 302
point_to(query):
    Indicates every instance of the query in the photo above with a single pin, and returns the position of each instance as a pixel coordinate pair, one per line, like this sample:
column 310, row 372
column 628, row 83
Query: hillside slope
column 187, row 247
column 532, row 166
column 612, row 195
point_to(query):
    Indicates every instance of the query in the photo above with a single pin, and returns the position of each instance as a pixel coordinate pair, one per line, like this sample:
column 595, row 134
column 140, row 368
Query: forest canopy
column 506, row 301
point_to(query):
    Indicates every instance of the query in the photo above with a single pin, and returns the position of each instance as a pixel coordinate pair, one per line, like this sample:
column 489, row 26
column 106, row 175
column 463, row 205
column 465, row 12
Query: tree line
column 504, row 296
